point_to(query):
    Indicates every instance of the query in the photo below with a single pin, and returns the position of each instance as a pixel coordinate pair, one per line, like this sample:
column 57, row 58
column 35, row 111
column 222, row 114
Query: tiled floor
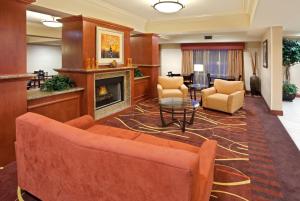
column 291, row 119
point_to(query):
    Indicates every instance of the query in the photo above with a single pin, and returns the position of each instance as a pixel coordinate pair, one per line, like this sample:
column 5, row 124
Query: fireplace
column 112, row 93
column 109, row 91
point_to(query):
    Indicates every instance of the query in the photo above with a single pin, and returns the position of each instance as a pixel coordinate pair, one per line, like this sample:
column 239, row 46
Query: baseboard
column 273, row 112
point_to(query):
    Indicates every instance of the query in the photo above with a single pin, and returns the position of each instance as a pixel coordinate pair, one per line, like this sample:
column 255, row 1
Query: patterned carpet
column 247, row 164
column 232, row 181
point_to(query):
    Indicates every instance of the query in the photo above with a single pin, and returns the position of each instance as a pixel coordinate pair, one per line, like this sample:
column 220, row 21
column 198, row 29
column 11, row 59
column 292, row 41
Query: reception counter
column 59, row 105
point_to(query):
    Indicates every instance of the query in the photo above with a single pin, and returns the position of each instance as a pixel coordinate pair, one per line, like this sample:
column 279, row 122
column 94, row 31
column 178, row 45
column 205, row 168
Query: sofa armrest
column 235, row 101
column 159, row 91
column 83, row 122
column 205, row 176
column 184, row 90
column 207, row 92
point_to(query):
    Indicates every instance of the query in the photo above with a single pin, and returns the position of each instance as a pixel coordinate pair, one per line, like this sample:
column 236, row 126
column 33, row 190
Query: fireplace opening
column 109, row 91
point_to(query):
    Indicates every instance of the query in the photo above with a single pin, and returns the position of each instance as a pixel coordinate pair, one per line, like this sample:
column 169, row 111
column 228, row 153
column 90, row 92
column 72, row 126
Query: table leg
column 192, row 117
column 184, row 120
column 162, row 117
column 195, row 97
column 191, row 93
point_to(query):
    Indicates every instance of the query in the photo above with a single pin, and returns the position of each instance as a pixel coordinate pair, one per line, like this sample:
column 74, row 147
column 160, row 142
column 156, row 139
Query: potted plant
column 289, row 91
column 290, row 57
column 57, row 83
column 254, row 79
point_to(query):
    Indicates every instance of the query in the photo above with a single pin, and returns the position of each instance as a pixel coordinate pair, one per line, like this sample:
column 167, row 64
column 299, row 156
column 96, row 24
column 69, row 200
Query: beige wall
column 171, row 58
column 271, row 77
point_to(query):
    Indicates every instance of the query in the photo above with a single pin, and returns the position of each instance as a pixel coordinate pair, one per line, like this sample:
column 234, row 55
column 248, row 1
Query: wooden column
column 13, row 97
column 145, row 54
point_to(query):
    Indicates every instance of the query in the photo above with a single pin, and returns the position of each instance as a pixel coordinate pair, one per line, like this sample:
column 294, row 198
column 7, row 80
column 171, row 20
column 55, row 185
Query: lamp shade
column 198, row 67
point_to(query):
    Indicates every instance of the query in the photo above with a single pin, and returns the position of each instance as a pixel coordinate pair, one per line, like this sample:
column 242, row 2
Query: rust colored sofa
column 79, row 160
column 225, row 96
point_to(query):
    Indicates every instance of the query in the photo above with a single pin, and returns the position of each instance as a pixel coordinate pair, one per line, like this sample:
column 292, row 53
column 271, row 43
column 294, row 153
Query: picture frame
column 109, row 46
column 265, row 54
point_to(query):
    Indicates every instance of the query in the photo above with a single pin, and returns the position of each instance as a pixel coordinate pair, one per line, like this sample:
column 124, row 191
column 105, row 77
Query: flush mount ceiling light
column 52, row 23
column 168, row 6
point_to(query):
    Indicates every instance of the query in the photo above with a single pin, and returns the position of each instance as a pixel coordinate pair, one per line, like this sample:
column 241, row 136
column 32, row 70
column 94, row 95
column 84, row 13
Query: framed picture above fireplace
column 109, row 46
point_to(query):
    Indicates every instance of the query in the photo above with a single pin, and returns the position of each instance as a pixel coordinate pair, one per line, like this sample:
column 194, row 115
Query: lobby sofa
column 169, row 87
column 80, row 160
column 225, row 96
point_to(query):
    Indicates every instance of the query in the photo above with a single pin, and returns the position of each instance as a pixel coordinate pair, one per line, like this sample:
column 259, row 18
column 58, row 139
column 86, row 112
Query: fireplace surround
column 112, row 93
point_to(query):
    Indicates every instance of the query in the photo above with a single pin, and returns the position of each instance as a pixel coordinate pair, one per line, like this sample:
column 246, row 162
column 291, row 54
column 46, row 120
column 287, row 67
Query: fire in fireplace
column 109, row 91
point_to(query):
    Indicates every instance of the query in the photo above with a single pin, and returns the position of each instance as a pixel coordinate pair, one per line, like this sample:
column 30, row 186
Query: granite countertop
column 37, row 93
column 139, row 78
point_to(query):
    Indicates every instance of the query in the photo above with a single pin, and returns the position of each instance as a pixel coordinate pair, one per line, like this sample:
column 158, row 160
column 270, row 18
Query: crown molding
column 26, row 1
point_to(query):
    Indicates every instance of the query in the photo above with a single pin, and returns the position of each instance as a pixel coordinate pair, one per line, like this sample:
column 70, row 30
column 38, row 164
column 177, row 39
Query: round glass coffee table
column 178, row 106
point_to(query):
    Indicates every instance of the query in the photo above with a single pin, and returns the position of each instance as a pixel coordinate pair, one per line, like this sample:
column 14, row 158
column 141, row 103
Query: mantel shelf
column 98, row 70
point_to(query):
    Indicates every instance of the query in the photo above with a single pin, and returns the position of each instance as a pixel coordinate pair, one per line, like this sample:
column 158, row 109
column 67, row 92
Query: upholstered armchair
column 168, row 87
column 225, row 96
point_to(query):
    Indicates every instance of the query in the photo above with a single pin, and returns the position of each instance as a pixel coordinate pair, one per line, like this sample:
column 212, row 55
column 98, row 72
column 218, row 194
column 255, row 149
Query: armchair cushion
column 228, row 87
column 83, row 122
column 217, row 101
column 171, row 93
column 170, row 82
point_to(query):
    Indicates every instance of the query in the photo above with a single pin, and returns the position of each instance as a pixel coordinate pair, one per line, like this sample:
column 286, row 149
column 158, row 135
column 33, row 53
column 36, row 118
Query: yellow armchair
column 225, row 96
column 169, row 87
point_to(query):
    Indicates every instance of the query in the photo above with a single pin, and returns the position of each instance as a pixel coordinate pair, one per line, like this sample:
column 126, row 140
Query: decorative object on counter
column 129, row 62
column 138, row 73
column 254, row 79
column 113, row 64
column 57, row 83
column 289, row 91
column 88, row 63
column 109, row 46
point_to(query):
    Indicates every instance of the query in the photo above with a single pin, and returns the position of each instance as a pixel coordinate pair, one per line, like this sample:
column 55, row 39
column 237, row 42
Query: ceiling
column 193, row 8
column 242, row 20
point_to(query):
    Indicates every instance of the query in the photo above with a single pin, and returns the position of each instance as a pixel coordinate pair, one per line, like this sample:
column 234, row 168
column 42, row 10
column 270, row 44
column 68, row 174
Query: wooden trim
column 277, row 112
column 14, row 77
column 26, row 1
column 273, row 112
column 212, row 46
column 96, row 21
column 52, row 102
column 144, row 35
column 147, row 65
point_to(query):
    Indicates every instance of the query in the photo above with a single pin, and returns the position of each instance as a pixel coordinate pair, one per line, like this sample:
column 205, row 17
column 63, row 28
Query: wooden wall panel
column 13, row 103
column 141, row 89
column 81, row 31
column 62, row 107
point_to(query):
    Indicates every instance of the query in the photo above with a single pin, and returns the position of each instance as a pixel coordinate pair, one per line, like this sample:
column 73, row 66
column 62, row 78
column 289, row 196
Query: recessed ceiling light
column 168, row 6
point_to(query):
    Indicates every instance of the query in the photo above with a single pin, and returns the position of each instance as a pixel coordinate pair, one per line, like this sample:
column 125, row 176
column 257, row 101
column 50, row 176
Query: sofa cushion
column 170, row 82
column 217, row 101
column 166, row 143
column 113, row 132
column 172, row 93
column 228, row 87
